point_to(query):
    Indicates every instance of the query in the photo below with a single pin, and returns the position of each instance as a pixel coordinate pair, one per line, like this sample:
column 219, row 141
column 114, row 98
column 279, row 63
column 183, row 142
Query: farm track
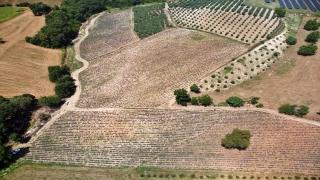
column 53, row 124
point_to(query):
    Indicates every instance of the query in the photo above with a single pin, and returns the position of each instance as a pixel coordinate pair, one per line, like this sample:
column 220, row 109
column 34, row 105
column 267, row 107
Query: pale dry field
column 110, row 32
column 145, row 73
column 23, row 66
column 179, row 138
column 293, row 79
column 48, row 2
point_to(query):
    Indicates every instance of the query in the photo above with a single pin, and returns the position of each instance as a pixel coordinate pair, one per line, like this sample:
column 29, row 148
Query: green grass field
column 9, row 12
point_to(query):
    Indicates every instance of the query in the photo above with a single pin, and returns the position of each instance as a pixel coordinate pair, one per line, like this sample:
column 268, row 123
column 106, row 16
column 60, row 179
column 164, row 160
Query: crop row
column 179, row 139
column 250, row 25
column 149, row 20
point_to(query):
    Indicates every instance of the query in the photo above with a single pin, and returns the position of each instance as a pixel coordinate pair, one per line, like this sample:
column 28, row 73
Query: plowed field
column 23, row 66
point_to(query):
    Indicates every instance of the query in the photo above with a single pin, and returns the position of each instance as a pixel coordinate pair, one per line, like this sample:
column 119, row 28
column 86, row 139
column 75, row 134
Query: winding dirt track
column 73, row 100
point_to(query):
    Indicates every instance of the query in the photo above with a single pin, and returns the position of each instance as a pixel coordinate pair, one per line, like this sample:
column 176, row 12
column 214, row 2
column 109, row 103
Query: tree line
column 63, row 23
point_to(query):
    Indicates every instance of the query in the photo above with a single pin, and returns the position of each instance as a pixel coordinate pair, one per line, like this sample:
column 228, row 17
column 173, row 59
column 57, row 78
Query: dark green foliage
column 149, row 20
column 254, row 100
column 15, row 137
column 297, row 177
column 235, row 101
column 51, row 101
column 181, row 175
column 230, row 177
column 5, row 156
column 195, row 88
column 239, row 139
column 193, row 176
column 281, row 12
column 311, row 25
column 194, row 101
column 222, row 176
column 275, row 177
column 313, row 37
column 39, row 8
column 65, row 89
column 308, row 50
column 24, row 102
column 296, row 110
column 62, row 25
column 205, row 100
column 291, row 40
column 56, row 72
column 182, row 96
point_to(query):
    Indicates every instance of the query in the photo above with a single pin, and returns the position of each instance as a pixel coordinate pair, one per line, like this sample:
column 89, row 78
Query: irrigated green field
column 9, row 12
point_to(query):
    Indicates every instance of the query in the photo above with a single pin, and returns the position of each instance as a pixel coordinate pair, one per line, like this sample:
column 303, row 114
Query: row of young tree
column 313, row 37
column 63, row 23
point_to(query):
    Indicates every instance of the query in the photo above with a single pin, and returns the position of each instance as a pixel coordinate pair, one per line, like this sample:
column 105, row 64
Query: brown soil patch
column 48, row 2
column 23, row 66
column 145, row 74
column 293, row 79
column 179, row 138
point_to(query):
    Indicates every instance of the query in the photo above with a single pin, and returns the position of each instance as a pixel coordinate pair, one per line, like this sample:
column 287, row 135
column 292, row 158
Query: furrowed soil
column 48, row 2
column 23, row 66
column 145, row 73
column 292, row 79
column 179, row 138
column 110, row 32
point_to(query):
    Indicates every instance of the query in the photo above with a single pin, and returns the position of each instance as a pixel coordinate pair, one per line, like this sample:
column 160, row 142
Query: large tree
column 238, row 139
column 182, row 96
column 311, row 25
column 235, row 101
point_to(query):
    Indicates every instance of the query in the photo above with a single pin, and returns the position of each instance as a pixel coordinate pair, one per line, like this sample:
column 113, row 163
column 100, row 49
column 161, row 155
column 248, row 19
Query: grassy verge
column 70, row 59
column 293, row 22
column 28, row 170
column 9, row 12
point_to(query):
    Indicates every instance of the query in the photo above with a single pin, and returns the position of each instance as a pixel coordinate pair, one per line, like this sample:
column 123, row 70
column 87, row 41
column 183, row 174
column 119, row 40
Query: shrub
column 308, row 50
column 254, row 100
column 201, row 177
column 313, row 37
column 221, row 176
column 237, row 177
column 244, row 177
column 217, row 90
column 181, row 175
column 291, row 40
column 297, row 177
column 235, row 101
column 182, row 96
column 239, row 139
column 267, row 177
column 193, row 176
column 289, row 109
column 205, row 100
column 194, row 101
column 161, row 176
column 275, row 177
column 213, row 75
column 289, row 177
column 282, row 178
column 311, row 25
column 195, row 88
column 230, row 177
column 305, row 178
column 154, row 175
column 260, row 105
column 173, row 175
column 251, row 177
column 51, row 101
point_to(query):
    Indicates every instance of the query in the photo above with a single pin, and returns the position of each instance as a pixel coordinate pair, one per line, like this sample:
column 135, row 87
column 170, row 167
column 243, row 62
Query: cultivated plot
column 23, row 66
column 146, row 73
column 182, row 138
column 110, row 32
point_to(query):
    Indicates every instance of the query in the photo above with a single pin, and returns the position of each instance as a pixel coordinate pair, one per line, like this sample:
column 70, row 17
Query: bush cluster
column 291, row 40
column 235, row 101
column 308, row 50
column 296, row 110
column 312, row 25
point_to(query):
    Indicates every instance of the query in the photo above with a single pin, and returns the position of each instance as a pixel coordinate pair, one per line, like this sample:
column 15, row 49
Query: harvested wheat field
column 179, row 138
column 145, row 73
column 48, row 2
column 292, row 79
column 23, row 66
column 110, row 32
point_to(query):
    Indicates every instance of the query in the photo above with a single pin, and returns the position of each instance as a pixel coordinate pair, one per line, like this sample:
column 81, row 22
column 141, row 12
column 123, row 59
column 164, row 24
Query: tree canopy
column 311, row 25
column 291, row 40
column 38, row 8
column 205, row 100
column 313, row 37
column 296, row 110
column 195, row 88
column 238, row 139
column 182, row 96
column 57, row 72
column 235, row 101
column 308, row 50
column 281, row 12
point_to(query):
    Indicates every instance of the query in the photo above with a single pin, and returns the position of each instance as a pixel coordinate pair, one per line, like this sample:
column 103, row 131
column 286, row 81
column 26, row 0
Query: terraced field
column 144, row 74
column 179, row 138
